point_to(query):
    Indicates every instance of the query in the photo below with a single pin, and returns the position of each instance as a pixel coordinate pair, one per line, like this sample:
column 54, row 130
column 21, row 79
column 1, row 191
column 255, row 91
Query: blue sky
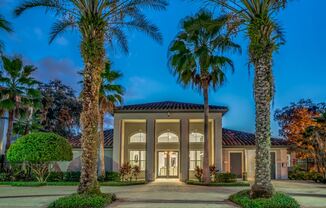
column 299, row 66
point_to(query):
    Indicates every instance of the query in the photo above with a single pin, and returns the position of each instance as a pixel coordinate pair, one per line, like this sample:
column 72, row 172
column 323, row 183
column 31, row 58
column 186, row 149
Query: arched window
column 139, row 137
column 168, row 137
column 196, row 137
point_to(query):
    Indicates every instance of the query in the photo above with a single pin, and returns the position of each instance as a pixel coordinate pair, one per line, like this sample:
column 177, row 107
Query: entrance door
column 236, row 163
column 273, row 168
column 168, row 164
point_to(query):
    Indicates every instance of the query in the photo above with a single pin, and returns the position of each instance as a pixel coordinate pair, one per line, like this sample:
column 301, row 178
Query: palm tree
column 110, row 95
column 99, row 22
column 4, row 26
column 196, row 57
column 18, row 90
column 257, row 19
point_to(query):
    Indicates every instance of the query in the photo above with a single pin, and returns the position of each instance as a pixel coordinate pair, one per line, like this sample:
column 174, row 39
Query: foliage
column 60, row 112
column 196, row 57
column 39, row 150
column 71, row 176
column 225, row 177
column 297, row 174
column 240, row 183
column 135, row 171
column 294, row 120
column 278, row 200
column 315, row 139
column 199, row 173
column 125, row 171
column 122, row 183
column 112, row 176
column 84, row 201
column 212, row 170
column 4, row 26
column 18, row 90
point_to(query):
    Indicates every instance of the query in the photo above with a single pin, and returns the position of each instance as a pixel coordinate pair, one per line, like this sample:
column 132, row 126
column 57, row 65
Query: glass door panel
column 173, row 164
column 162, row 164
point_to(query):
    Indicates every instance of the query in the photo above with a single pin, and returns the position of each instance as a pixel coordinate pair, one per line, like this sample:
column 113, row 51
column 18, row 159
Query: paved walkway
column 160, row 195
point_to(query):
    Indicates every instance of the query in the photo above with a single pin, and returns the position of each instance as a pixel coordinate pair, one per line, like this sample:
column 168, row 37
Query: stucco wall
column 248, row 159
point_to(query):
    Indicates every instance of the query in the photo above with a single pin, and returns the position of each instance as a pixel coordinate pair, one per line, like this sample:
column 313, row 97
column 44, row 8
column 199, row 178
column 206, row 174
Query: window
column 289, row 160
column 139, row 137
column 196, row 137
column 137, row 157
column 195, row 159
column 168, row 137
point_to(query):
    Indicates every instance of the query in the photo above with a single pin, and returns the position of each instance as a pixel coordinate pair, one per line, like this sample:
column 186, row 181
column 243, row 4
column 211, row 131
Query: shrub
column 225, row 177
column 212, row 171
column 83, row 201
column 199, row 173
column 71, row 176
column 278, row 200
column 39, row 151
column 55, row 176
column 135, row 171
column 125, row 171
column 112, row 176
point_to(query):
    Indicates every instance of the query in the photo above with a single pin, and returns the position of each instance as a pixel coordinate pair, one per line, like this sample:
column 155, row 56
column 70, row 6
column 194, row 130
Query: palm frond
column 60, row 26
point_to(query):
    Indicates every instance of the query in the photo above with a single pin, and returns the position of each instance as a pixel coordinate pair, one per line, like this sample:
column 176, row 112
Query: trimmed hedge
column 225, row 177
column 279, row 200
column 239, row 183
column 84, row 201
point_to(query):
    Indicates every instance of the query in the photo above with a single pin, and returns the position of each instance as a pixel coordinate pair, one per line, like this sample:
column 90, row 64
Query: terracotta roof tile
column 108, row 140
column 168, row 106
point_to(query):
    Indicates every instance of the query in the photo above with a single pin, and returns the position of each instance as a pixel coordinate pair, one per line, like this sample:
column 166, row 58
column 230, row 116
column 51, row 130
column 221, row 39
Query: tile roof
column 240, row 138
column 168, row 106
column 108, row 140
column 231, row 138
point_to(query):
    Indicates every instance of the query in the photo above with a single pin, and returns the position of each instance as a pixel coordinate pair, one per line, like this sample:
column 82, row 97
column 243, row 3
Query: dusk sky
column 299, row 66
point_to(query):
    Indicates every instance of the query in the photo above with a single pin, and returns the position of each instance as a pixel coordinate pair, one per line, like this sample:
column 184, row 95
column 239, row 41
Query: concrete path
column 160, row 194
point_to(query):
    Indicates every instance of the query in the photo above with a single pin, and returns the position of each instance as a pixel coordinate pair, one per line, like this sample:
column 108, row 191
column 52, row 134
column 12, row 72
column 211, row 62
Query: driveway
column 160, row 194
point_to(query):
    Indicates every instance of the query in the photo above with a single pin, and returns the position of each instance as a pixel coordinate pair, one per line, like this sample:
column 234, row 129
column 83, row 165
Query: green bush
column 38, row 151
column 298, row 174
column 112, row 176
column 279, row 200
column 83, row 201
column 55, row 176
column 71, row 176
column 238, row 183
column 225, row 177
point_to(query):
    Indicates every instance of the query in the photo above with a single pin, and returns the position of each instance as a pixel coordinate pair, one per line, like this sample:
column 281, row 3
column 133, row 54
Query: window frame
column 167, row 142
column 198, row 133
column 137, row 142
column 140, row 160
column 197, row 161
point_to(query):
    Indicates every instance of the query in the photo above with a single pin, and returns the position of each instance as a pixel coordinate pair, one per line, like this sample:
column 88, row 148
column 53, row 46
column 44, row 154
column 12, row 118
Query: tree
column 196, row 57
column 60, row 112
column 257, row 19
column 315, row 140
column 4, row 26
column 98, row 22
column 110, row 95
column 18, row 90
column 40, row 151
column 294, row 120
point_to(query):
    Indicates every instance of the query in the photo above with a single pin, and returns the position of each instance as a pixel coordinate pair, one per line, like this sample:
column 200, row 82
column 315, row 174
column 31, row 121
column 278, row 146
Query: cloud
column 61, row 41
column 65, row 70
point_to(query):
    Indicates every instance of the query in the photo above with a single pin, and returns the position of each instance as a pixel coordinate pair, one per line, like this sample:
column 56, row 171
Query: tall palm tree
column 99, row 22
column 18, row 90
column 4, row 26
column 110, row 95
column 196, row 57
column 257, row 19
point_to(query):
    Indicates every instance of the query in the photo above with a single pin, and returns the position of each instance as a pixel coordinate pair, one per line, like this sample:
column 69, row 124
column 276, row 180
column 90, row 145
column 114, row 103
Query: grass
column 279, row 200
column 237, row 183
column 67, row 183
column 84, row 201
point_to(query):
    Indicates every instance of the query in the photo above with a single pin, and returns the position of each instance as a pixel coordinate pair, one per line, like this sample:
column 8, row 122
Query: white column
column 218, row 142
column 150, row 149
column 184, row 150
column 116, row 155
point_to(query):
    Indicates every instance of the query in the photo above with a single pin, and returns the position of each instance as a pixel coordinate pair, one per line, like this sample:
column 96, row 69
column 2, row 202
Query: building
column 165, row 139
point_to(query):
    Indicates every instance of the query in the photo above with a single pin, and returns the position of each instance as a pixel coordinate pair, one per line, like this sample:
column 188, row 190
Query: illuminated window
column 195, row 159
column 138, row 138
column 196, row 137
column 168, row 137
column 137, row 158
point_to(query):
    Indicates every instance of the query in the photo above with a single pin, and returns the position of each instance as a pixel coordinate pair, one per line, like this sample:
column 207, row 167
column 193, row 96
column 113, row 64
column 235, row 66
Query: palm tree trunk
column 102, row 156
column 206, row 174
column 92, row 50
column 263, row 93
column 9, row 129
